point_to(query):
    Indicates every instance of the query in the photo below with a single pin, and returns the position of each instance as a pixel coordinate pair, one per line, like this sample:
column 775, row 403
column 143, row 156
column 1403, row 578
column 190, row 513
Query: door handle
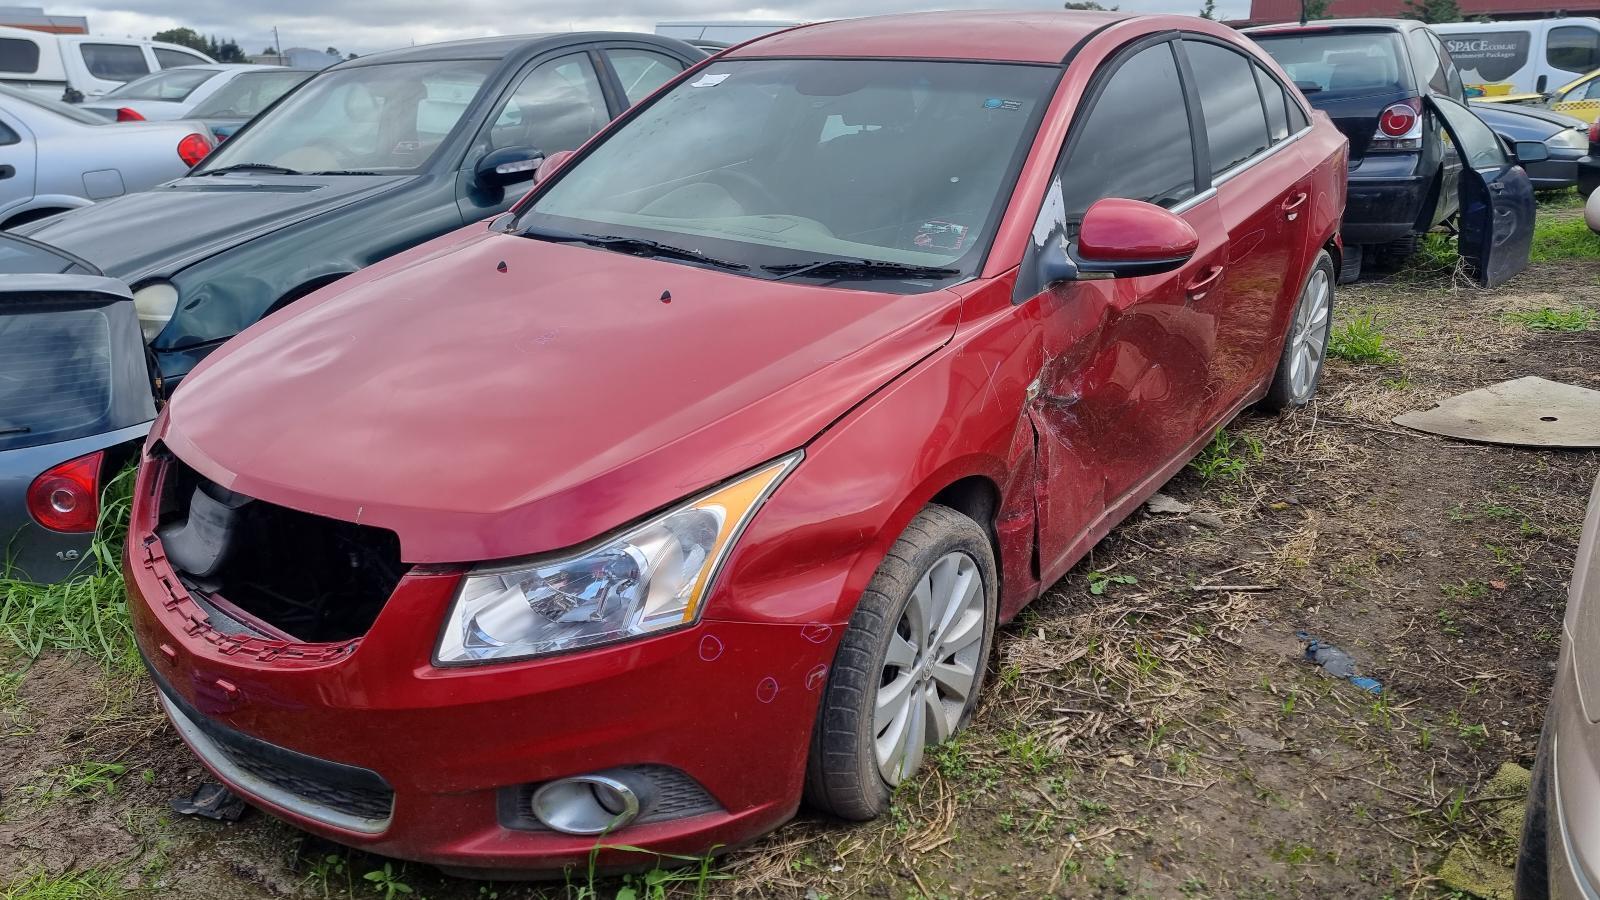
column 1199, row 287
column 1291, row 206
column 7, row 172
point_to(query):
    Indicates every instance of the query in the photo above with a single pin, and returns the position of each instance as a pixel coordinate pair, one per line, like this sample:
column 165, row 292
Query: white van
column 1522, row 57
column 78, row 66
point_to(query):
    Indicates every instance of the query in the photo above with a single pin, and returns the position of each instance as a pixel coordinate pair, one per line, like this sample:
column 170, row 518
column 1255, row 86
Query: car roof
column 500, row 47
column 1003, row 35
column 1339, row 25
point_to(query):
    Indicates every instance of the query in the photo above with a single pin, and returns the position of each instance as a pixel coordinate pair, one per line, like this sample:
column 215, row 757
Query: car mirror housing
column 509, row 165
column 1121, row 239
column 553, row 162
column 1531, row 151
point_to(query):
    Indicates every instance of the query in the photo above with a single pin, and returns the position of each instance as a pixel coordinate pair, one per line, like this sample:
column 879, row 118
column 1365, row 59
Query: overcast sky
column 366, row 26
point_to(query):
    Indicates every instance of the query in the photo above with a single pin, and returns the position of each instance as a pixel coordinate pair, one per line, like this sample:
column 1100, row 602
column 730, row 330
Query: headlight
column 155, row 303
column 650, row 578
column 1570, row 138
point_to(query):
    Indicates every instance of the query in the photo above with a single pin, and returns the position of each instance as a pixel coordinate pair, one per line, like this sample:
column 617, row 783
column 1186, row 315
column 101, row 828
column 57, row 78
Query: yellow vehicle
column 1579, row 98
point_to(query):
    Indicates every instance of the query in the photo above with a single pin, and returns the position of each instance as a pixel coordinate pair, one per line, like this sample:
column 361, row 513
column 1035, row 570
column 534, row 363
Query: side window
column 19, row 55
column 172, row 59
column 1134, row 142
column 1425, row 59
column 557, row 106
column 1297, row 117
column 1277, row 104
column 7, row 136
column 114, row 62
column 1575, row 48
column 1591, row 91
column 1452, row 74
column 642, row 71
column 1236, row 127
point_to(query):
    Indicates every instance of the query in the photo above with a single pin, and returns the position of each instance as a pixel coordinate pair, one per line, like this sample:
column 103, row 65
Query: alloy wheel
column 1309, row 336
column 931, row 667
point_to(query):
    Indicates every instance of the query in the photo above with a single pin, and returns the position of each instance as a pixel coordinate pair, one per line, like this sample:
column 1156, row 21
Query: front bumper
column 369, row 744
column 1589, row 172
column 1558, row 172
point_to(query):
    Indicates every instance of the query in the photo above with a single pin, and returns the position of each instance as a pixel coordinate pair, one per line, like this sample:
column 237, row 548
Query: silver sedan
column 167, row 94
column 55, row 157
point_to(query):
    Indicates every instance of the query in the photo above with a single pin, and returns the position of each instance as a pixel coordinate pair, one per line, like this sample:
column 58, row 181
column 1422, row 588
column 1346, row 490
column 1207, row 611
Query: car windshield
column 247, row 95
column 811, row 169
column 56, row 107
column 172, row 85
column 384, row 118
column 1343, row 63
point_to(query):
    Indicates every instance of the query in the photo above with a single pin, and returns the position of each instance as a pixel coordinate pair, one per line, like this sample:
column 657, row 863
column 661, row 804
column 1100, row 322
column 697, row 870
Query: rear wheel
column 1393, row 256
column 910, row 666
column 1300, row 364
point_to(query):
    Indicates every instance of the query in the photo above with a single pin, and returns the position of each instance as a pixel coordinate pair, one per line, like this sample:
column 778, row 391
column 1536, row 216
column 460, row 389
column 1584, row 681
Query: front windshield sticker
column 938, row 234
column 710, row 80
column 997, row 103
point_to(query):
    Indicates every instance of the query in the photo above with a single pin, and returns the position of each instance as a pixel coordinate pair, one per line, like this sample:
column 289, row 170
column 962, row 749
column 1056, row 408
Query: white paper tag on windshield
column 710, row 80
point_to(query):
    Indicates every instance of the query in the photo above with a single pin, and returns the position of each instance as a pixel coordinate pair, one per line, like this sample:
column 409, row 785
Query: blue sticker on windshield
column 997, row 103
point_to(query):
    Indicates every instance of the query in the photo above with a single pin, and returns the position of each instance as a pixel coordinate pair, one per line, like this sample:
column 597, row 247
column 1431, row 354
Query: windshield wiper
column 253, row 167
column 859, row 268
column 343, row 172
column 634, row 246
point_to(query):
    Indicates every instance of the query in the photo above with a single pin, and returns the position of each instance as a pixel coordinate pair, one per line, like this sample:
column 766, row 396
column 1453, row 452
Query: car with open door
column 365, row 159
column 1495, row 227
column 698, row 482
column 1371, row 77
column 76, row 397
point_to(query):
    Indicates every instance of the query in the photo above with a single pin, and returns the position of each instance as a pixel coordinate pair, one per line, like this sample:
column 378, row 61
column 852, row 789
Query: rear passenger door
column 1263, row 192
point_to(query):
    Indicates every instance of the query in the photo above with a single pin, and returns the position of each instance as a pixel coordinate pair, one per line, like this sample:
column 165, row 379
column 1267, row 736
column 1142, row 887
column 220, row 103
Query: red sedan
column 696, row 485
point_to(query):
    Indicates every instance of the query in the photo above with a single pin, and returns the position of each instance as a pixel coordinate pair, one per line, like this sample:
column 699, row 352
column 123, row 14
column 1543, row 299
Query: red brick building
column 1266, row 11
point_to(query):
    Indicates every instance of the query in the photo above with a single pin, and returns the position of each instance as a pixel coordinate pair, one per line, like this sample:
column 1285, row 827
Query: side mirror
column 1531, row 151
column 553, row 162
column 1121, row 239
column 508, row 165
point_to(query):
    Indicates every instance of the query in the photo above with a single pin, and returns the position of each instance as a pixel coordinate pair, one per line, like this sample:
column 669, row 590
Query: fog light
column 587, row 804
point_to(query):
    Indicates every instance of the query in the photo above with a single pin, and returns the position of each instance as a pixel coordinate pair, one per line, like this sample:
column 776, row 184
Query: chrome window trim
column 1229, row 174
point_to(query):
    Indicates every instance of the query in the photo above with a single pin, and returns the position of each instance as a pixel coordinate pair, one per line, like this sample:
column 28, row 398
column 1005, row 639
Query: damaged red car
column 695, row 487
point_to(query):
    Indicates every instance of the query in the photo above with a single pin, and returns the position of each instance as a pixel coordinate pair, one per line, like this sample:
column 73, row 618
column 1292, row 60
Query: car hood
column 159, row 231
column 484, row 414
column 1495, row 113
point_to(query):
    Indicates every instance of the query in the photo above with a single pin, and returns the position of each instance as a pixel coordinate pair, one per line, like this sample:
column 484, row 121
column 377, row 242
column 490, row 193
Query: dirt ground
column 1151, row 728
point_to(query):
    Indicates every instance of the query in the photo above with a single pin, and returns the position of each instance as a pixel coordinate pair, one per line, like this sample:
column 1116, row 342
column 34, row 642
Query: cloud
column 372, row 25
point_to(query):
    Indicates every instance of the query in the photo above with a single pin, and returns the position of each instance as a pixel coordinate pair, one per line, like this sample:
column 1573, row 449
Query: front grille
column 337, row 794
column 665, row 794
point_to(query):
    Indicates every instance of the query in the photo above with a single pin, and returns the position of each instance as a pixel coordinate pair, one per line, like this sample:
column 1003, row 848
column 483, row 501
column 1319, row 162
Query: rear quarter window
column 1339, row 63
column 114, row 62
column 19, row 55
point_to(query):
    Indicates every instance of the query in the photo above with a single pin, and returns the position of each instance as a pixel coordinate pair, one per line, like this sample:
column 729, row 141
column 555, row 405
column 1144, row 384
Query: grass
column 93, row 884
column 89, row 611
column 1578, row 318
column 1226, row 456
column 1564, row 239
column 1360, row 340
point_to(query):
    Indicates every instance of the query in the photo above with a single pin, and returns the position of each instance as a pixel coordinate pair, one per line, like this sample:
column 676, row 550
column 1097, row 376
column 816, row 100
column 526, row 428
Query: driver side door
column 1497, row 205
column 555, row 104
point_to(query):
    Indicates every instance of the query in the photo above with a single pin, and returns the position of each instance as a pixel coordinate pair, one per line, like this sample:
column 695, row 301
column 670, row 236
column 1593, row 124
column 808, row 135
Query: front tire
column 1305, row 346
column 910, row 666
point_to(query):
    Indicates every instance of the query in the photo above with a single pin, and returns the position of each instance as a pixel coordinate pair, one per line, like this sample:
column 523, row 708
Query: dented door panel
column 1125, row 382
